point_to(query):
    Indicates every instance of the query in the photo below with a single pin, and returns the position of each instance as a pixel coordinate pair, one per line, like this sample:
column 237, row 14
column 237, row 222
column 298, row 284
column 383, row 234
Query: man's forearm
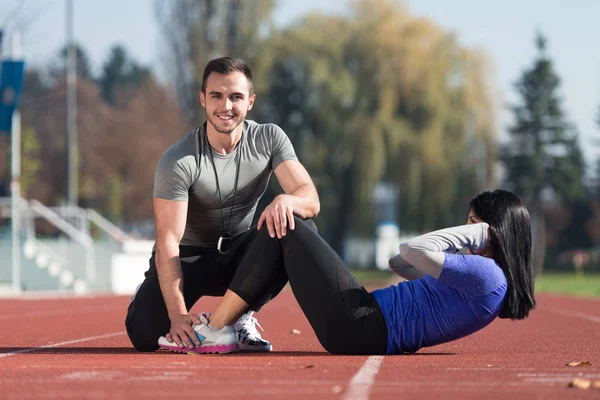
column 170, row 278
column 306, row 201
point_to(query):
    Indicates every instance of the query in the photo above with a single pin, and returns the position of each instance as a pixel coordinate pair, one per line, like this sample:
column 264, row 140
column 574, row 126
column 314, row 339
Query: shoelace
column 250, row 327
column 203, row 319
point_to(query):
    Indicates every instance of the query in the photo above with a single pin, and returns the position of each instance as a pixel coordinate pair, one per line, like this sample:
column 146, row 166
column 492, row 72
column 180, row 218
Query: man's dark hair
column 226, row 65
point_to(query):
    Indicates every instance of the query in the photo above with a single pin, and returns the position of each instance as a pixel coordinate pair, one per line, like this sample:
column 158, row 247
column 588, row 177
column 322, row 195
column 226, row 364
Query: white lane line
column 58, row 311
column 49, row 346
column 570, row 313
column 364, row 378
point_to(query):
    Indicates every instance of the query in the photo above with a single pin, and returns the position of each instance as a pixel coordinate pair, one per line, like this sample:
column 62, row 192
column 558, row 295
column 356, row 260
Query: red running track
column 76, row 348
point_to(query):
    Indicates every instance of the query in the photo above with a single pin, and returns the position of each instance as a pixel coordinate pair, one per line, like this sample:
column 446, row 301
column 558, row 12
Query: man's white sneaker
column 249, row 337
column 211, row 340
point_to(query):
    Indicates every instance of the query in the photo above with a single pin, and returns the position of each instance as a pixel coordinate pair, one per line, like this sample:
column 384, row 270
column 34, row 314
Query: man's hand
column 278, row 216
column 182, row 332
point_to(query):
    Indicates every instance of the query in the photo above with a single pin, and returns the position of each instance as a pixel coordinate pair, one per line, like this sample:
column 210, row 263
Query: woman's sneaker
column 250, row 338
column 211, row 340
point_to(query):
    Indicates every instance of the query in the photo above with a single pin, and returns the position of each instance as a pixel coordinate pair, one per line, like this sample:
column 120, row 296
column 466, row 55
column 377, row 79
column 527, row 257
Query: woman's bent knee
column 309, row 222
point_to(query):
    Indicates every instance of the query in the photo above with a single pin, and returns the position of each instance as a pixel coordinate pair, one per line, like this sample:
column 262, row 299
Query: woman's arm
column 404, row 269
column 426, row 253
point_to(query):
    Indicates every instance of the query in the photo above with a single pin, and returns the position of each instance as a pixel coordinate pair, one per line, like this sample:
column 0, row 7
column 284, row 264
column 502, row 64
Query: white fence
column 67, row 260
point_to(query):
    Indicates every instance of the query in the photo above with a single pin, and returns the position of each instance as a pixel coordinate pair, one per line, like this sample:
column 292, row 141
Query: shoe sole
column 247, row 347
column 208, row 349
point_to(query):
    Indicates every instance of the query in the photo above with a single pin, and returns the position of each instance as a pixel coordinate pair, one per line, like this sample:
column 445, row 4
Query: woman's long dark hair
column 510, row 226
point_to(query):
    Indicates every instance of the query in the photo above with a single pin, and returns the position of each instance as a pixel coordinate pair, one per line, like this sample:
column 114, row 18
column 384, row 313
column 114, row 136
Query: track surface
column 76, row 348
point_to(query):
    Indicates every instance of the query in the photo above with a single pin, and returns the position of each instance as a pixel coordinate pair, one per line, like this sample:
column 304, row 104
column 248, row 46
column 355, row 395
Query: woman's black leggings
column 345, row 317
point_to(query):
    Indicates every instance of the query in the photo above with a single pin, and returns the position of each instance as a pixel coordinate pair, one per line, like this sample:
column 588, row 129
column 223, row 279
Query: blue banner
column 11, row 81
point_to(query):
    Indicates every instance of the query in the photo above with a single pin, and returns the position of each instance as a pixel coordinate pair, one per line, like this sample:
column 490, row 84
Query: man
column 206, row 191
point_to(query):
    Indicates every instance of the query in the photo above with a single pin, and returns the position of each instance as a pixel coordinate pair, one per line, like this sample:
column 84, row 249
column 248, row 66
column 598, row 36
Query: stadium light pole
column 15, row 182
column 72, row 147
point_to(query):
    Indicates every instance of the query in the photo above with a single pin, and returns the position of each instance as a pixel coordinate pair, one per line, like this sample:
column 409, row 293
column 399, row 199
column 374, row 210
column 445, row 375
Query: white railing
column 82, row 238
column 68, row 213
column 43, row 255
column 7, row 202
column 111, row 229
column 56, row 265
column 55, row 219
column 84, row 216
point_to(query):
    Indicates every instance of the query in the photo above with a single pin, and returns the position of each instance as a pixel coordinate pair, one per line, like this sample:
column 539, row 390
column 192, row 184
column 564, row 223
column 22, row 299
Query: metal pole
column 15, row 184
column 90, row 253
column 72, row 148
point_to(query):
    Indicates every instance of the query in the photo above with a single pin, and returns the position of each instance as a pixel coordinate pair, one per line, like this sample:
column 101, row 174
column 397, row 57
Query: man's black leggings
column 345, row 317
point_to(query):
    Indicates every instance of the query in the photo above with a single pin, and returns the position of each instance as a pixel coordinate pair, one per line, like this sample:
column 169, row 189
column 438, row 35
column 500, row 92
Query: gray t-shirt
column 185, row 173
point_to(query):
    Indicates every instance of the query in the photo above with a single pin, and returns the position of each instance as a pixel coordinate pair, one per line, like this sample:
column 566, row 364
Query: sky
column 503, row 30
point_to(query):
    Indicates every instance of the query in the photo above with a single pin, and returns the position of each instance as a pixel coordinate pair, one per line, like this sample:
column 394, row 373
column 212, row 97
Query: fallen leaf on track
column 580, row 383
column 295, row 332
column 579, row 364
column 337, row 389
column 309, row 366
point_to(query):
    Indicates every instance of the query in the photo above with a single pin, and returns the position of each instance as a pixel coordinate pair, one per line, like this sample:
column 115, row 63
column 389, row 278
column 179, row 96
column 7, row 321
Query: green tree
column 380, row 96
column 58, row 66
column 36, row 84
column 428, row 101
column 543, row 156
column 196, row 31
column 598, row 162
column 120, row 71
column 30, row 160
column 114, row 198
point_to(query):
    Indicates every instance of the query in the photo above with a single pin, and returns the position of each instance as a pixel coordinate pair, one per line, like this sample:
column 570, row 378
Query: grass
column 374, row 277
column 587, row 284
column 568, row 283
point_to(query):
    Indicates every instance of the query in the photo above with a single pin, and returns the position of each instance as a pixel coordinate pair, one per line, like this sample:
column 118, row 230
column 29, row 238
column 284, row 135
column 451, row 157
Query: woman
column 447, row 295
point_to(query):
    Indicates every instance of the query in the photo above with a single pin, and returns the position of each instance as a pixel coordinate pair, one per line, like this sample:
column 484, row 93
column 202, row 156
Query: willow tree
column 381, row 96
column 429, row 100
column 311, row 95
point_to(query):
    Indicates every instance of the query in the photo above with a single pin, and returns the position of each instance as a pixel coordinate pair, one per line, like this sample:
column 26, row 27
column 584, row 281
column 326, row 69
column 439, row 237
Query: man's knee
column 141, row 339
column 145, row 345
column 144, row 330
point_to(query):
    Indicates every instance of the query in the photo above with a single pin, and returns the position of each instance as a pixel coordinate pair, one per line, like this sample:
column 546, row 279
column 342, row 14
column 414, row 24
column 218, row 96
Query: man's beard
column 214, row 121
